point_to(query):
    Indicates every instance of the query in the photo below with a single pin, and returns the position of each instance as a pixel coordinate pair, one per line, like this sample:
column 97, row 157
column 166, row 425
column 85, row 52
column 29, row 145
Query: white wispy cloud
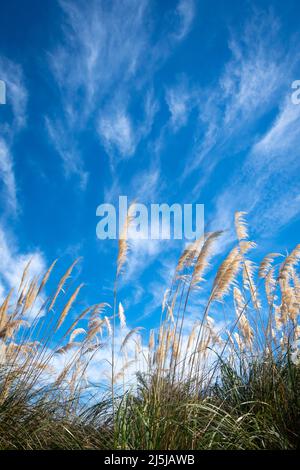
column 283, row 134
column 66, row 148
column 104, row 42
column 186, row 13
column 16, row 101
column 181, row 99
column 101, row 61
column 267, row 183
column 145, row 186
column 250, row 85
column 9, row 194
column 16, row 94
column 275, row 160
column 13, row 262
column 116, row 130
column 255, row 71
column 119, row 132
column 100, row 53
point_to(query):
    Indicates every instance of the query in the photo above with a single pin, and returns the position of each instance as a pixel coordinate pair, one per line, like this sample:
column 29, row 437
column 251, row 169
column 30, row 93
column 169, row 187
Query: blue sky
column 176, row 101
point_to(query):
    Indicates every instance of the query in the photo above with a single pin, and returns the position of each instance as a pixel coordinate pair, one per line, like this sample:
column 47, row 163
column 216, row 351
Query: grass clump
column 198, row 383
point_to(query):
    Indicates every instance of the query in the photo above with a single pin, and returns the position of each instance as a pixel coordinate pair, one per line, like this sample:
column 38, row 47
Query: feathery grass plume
column 22, row 295
column 266, row 264
column 192, row 335
column 138, row 345
column 85, row 312
column 95, row 323
column 175, row 349
column 68, row 306
column 248, row 266
column 239, row 341
column 277, row 318
column 204, row 343
column 95, row 327
column 67, row 347
column 239, row 301
column 122, row 316
column 184, row 278
column 284, row 312
column 24, row 275
column 63, row 375
column 30, row 296
column 46, row 277
column 202, row 261
column 248, row 273
column 170, row 338
column 243, row 323
column 11, row 328
column 108, row 326
column 284, row 342
column 98, row 309
column 188, row 256
column 165, row 297
column 288, row 264
column 270, row 285
column 248, row 282
column 246, row 245
column 151, row 340
column 296, row 282
column 123, row 240
column 289, row 306
column 129, row 335
column 122, row 371
column 240, row 225
column 215, row 336
column 170, row 314
column 159, row 356
column 62, row 283
column 77, row 332
column 226, row 274
column 93, row 348
column 4, row 309
column 160, row 349
column 183, row 257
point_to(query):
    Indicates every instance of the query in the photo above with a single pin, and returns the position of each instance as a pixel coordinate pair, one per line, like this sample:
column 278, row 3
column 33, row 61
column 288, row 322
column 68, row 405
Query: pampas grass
column 222, row 375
